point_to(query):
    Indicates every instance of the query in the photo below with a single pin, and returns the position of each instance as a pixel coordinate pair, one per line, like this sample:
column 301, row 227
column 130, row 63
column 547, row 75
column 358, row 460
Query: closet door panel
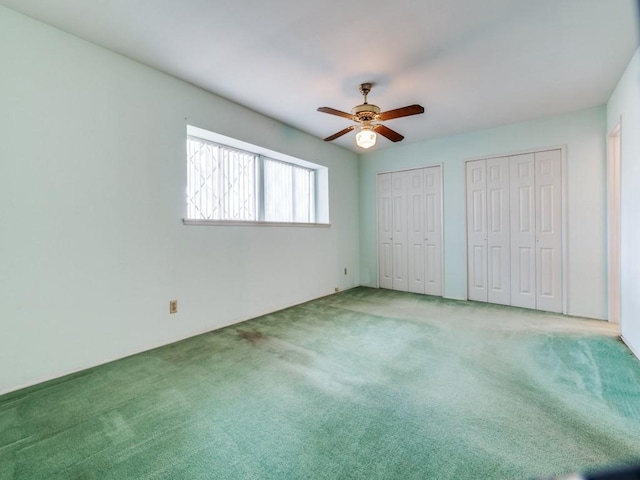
column 433, row 230
column 498, row 232
column 399, row 188
column 385, row 231
column 548, row 186
column 523, row 232
column 476, row 230
column 416, row 231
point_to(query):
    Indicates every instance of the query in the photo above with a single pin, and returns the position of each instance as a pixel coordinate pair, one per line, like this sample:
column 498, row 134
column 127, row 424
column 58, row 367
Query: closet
column 514, row 230
column 410, row 230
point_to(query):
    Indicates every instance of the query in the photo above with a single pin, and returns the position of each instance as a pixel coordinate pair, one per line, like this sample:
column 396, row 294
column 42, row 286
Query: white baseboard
column 637, row 354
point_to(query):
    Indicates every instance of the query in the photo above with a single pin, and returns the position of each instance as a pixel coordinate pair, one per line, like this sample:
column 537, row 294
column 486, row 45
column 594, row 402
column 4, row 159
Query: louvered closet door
column 548, row 188
column 523, row 231
column 433, row 230
column 498, row 234
column 416, row 258
column 385, row 231
column 477, row 230
column 399, row 188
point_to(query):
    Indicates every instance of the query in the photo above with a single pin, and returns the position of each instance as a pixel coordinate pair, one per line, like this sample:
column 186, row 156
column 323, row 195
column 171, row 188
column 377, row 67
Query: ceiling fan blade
column 401, row 112
column 340, row 133
column 387, row 132
column 333, row 111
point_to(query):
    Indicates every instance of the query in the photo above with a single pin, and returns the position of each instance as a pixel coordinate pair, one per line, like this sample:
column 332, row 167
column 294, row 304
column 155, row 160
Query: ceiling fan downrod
column 365, row 88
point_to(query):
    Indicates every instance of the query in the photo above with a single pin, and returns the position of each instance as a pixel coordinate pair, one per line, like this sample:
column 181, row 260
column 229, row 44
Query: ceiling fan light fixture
column 366, row 137
column 368, row 117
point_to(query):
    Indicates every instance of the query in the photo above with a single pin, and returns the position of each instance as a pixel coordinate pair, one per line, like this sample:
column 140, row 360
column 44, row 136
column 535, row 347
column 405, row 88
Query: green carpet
column 366, row 384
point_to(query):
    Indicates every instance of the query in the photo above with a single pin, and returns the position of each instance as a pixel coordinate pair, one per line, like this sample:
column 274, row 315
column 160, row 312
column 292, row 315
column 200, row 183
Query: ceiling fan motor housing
column 365, row 112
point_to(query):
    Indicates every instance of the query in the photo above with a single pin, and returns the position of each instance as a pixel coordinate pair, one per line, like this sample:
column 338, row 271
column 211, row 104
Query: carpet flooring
column 365, row 384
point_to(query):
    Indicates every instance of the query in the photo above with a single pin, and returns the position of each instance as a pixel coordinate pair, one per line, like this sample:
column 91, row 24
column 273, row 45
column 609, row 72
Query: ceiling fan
column 368, row 116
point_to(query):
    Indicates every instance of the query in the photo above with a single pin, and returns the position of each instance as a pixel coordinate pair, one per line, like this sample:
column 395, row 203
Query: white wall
column 92, row 189
column 624, row 106
column 582, row 132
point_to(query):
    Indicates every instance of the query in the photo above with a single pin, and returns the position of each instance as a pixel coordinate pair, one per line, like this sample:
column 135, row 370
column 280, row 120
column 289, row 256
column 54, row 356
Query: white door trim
column 442, row 264
column 564, row 178
column 613, row 221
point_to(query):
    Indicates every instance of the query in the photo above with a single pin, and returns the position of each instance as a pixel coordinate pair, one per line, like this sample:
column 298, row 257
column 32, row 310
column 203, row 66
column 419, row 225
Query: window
column 221, row 182
column 230, row 184
column 289, row 192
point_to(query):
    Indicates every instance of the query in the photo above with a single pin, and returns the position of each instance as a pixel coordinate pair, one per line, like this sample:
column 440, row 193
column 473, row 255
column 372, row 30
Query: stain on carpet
column 254, row 338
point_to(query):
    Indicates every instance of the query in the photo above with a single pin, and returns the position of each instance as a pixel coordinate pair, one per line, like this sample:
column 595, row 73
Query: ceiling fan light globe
column 366, row 138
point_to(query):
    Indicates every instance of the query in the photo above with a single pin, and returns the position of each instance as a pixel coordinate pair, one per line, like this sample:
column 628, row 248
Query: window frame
column 320, row 174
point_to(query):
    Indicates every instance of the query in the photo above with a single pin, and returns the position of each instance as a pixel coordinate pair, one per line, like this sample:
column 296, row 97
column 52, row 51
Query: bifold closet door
column 410, row 230
column 385, row 231
column 399, row 188
column 392, row 230
column 536, row 231
column 416, row 255
column 514, row 230
column 424, row 215
column 498, row 235
column 523, row 231
column 477, row 230
column 433, row 230
column 548, row 186
column 488, row 242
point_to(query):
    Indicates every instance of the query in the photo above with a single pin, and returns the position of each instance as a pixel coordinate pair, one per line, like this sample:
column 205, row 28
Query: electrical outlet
column 345, row 270
column 173, row 306
column 337, row 289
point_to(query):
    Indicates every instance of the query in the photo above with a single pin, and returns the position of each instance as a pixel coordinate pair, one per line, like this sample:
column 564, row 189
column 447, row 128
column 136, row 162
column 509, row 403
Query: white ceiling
column 472, row 64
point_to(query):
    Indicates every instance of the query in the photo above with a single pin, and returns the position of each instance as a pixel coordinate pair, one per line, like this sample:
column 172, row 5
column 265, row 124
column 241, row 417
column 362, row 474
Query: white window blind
column 289, row 194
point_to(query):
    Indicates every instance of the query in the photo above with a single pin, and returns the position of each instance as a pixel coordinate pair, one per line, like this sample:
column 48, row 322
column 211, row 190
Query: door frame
column 564, row 209
column 442, row 264
column 614, row 163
